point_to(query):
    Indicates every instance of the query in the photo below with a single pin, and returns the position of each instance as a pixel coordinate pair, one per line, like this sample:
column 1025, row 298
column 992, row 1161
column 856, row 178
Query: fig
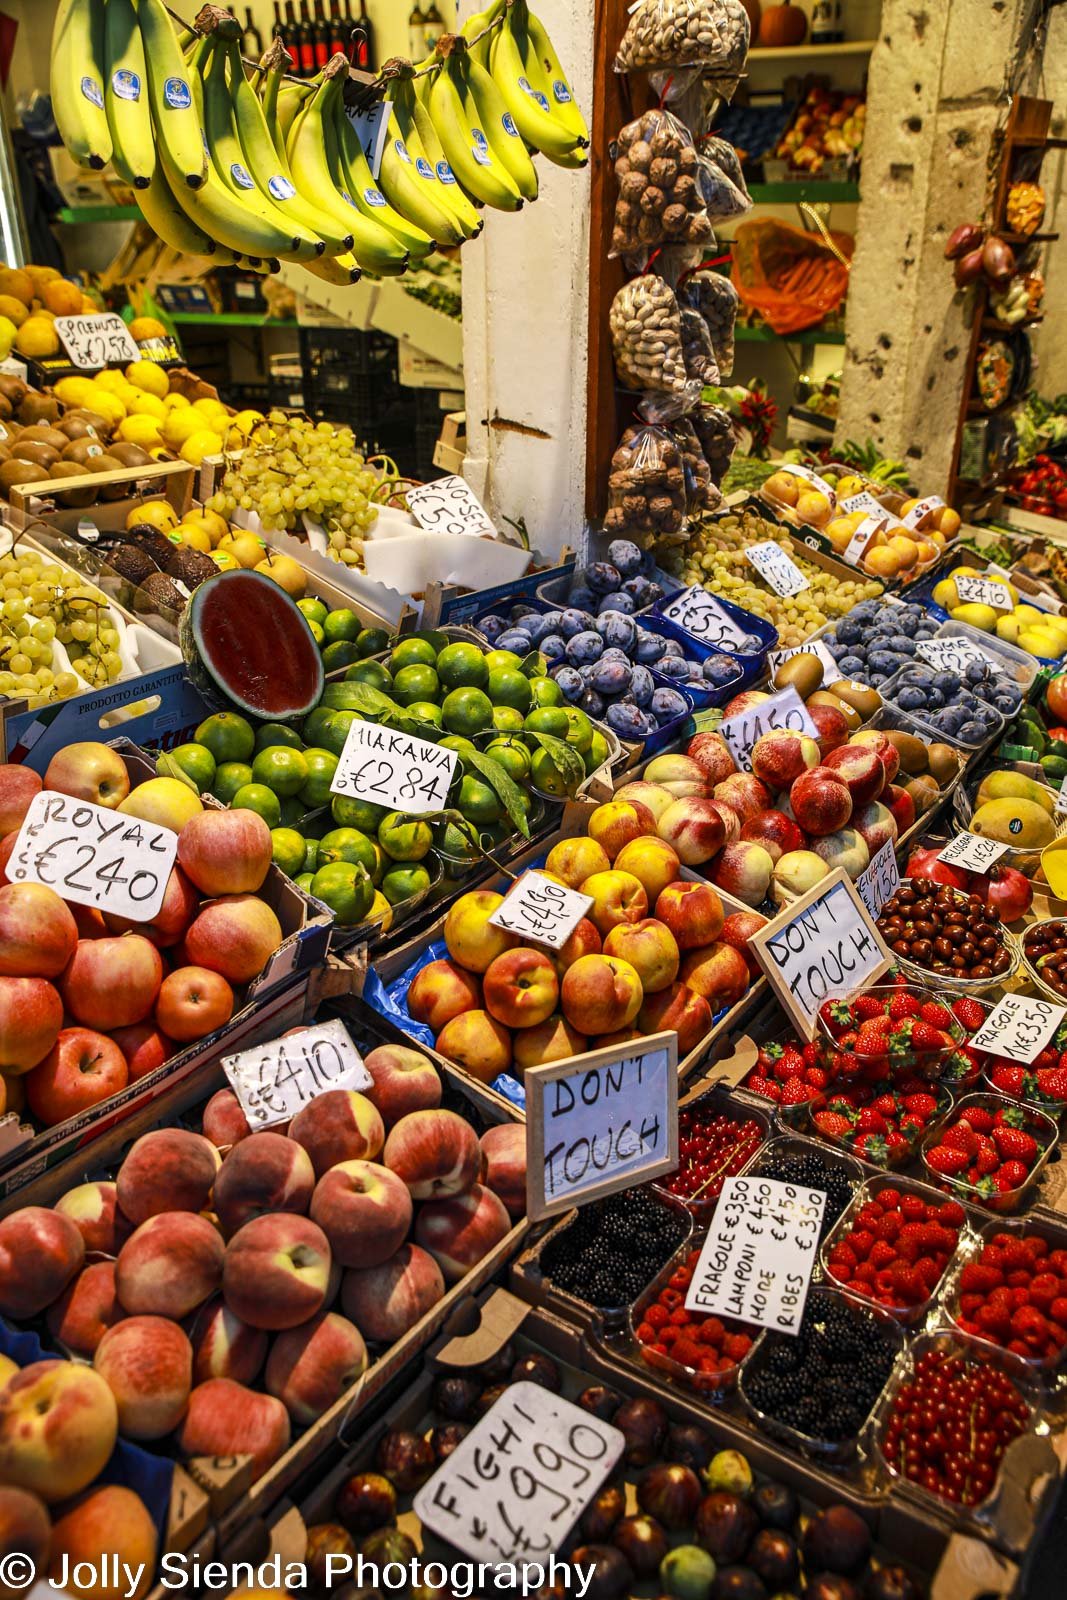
column 644, row 1425
column 599, row 1401
column 737, row 1583
column 611, row 1576
column 366, row 1501
column 836, row 1540
column 967, row 237
column 689, row 1445
column 455, row 1398
column 538, row 1369
column 498, row 1368
column 642, row 1541
column 387, row 1545
column 326, row 1539
column 776, row 1506
column 406, row 1459
column 670, row 1493
column 998, row 261
column 892, row 1583
column 688, row 1573
column 725, row 1525
column 489, row 1397
column 728, row 1470
column 967, row 269
column 772, row 1555
column 445, row 1438
column 831, row 1586
column 601, row 1514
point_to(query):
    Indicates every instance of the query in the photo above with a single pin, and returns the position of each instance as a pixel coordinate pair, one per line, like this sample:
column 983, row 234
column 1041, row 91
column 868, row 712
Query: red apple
column 923, row 863
column 19, row 787
column 744, row 871
column 81, row 1069
column 31, row 1015
column 233, row 935
column 89, row 770
column 776, row 832
column 167, row 927
column 737, row 930
column 831, row 727
column 1007, row 889
column 1056, row 696
column 404, row 1081
column 193, row 1002
column 144, row 1047
column 225, row 852
column 820, row 801
column 112, row 982
column 38, row 935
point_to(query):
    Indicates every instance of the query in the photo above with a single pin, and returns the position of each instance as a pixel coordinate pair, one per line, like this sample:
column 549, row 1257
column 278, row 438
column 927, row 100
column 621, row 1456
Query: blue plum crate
column 751, row 663
column 557, row 590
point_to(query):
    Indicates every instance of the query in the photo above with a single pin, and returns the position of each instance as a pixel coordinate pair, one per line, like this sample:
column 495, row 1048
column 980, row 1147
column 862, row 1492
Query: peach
column 38, row 935
column 147, row 1363
column 861, row 771
column 831, row 727
column 901, row 807
column 40, row 1252
column 192, row 1003
column 233, row 936
column 7, row 846
column 574, row 860
column 651, row 861
column 265, row 1172
column 93, row 1208
column 583, row 941
column 226, row 1419
column 180, row 902
column 681, row 774
column 310, row 1368
column 845, row 850
column 224, row 1346
column 58, row 1425
column 276, row 1271
column 521, row 988
column 876, row 826
column 712, row 754
column 19, row 788
column 747, row 700
column 744, row 871
column 365, row 1212
column 386, row 1302
column 470, row 938
column 460, row 1232
column 552, row 1040
column 12, row 1093
column 144, row 1047
column 795, row 873
column 617, row 897
column 435, row 1153
column 616, row 823
column 224, row 1122
column 743, row 793
column 694, row 829
column 883, row 747
column 504, row 1149
column 650, row 948
column 25, row 1529
column 653, row 796
column 692, row 911
column 339, row 1125
column 738, row 930
column 679, row 1010
column 82, row 1069
column 31, row 1015
column 108, row 1532
column 168, row 1169
column 441, row 991
column 602, row 1041
column 720, row 973
column 781, row 755
column 110, row 983
column 731, row 821
column 600, row 994
column 477, row 1043
column 169, row 1265
column 225, row 852
column 776, row 832
column 404, row 1080
column 89, row 1307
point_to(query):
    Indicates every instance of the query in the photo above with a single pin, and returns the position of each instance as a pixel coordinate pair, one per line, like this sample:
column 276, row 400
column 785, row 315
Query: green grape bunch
column 41, row 605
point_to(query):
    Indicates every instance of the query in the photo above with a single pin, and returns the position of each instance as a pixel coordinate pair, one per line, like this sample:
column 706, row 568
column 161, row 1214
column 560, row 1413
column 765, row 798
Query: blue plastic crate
column 752, row 664
column 557, row 590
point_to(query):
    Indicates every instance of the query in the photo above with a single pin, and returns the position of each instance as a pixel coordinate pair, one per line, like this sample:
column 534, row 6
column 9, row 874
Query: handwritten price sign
column 953, row 654
column 536, row 908
column 758, row 1257
column 448, row 505
column 274, row 1080
column 394, row 769
column 972, row 852
column 783, row 710
column 93, row 856
column 984, row 592
column 701, row 615
column 776, row 568
column 814, row 647
column 1019, row 1028
column 93, row 342
column 881, row 879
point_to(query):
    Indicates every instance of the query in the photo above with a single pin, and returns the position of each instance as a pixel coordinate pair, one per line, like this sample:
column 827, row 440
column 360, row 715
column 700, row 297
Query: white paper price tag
column 94, row 856
column 274, row 1080
column 983, row 592
column 783, row 710
column 776, row 568
column 759, row 1254
column 701, row 615
column 814, row 647
column 448, row 505
column 881, row 879
column 810, row 476
column 921, row 510
column 1061, row 798
column 372, row 129
column 972, row 852
column 862, row 537
column 955, row 654
column 1019, row 1028
column 394, row 769
column 542, row 911
column 513, row 1489
column 865, row 502
column 97, row 341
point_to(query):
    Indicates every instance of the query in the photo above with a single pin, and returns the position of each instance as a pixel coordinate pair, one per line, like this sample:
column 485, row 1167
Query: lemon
column 978, row 616
column 142, row 328
column 147, row 405
column 1008, row 629
column 245, row 421
column 74, row 391
column 149, row 376
column 210, row 408
column 945, row 595
column 140, row 430
column 107, row 406
column 175, row 402
column 200, row 444
column 111, row 382
column 181, row 425
column 37, row 337
column 8, row 330
column 156, row 513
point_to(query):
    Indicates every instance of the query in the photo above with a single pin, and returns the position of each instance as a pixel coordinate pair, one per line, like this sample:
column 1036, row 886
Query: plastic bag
column 699, row 489
column 646, row 336
column 713, row 295
column 792, row 278
column 647, row 499
column 661, row 198
column 714, row 428
column 726, row 158
column 713, row 34
column 697, row 348
column 721, row 200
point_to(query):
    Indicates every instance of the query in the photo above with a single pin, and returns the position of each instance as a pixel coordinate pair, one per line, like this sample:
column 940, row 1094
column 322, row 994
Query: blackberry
column 613, row 1248
column 812, row 1171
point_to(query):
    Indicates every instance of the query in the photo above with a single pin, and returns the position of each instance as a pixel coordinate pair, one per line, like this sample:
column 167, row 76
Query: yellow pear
column 286, row 572
column 246, row 548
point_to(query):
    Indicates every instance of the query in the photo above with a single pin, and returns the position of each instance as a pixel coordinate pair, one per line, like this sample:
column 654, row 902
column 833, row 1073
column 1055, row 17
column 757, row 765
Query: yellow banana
column 340, row 270
column 77, row 82
column 411, row 194
column 420, row 136
column 126, row 95
column 477, row 25
column 167, row 219
column 542, row 53
column 465, row 143
column 179, row 135
column 352, row 174
column 517, row 74
column 499, row 126
column 292, row 98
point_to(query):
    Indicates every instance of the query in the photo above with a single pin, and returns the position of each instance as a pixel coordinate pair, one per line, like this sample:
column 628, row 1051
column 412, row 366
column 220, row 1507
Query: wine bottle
column 251, row 38
column 321, row 37
column 305, row 38
column 338, row 35
column 417, row 34
column 434, row 26
column 278, row 30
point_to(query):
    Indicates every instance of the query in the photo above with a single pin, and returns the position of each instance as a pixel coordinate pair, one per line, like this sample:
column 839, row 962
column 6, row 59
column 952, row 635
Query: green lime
column 478, row 802
column 512, row 755
column 281, row 769
column 372, row 672
column 314, row 725
column 381, row 861
column 321, row 765
column 342, row 624
column 314, row 610
column 545, row 775
column 315, row 629
column 549, row 719
column 195, row 760
column 347, row 844
column 401, row 883
column 275, row 733
column 230, row 777
column 507, row 687
column 293, row 809
column 424, row 710
column 263, row 801
column 546, row 692
column 304, row 881
column 580, row 732
column 404, row 838
column 462, row 666
column 341, row 653
column 507, row 720
column 497, row 660
column 597, row 753
column 361, row 814
column 228, row 736
column 372, row 642
column 467, row 711
column 288, row 850
column 311, row 855
column 412, row 652
column 346, row 889
column 415, row 683
column 336, row 732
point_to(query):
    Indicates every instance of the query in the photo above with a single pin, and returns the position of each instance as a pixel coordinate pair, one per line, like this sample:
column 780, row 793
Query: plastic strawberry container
column 1044, row 1130
column 711, row 1386
column 908, row 1316
column 900, row 1057
column 1050, row 1370
column 891, row 1159
column 1028, row 1094
column 793, row 1115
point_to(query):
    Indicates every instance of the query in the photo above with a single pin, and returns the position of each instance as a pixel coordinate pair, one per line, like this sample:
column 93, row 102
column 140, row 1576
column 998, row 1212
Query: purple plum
column 630, row 722
column 602, row 577
column 673, row 667
column 628, row 558
column 618, row 601
column 610, row 677
column 642, row 686
column 719, row 670
column 668, row 704
column 584, row 648
column 553, row 648
column 570, row 682
column 516, row 639
column 582, row 597
column 648, row 647
column 492, row 627
column 671, row 647
column 591, row 703
column 617, row 629
column 573, row 621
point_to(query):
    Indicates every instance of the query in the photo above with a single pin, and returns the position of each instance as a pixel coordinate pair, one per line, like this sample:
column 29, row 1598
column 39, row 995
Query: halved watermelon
column 247, row 644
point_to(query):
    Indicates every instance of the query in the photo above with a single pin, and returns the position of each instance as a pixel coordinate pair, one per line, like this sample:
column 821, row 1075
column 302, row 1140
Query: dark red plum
column 836, row 1540
column 831, row 1586
column 326, row 1539
column 600, row 1401
column 406, row 1459
column 446, row 1438
column 892, row 1583
column 776, row 1506
column 366, row 1501
column 689, row 1445
column 773, row 1558
column 643, row 1542
column 612, row 1575
column 455, row 1398
column 644, row 1426
column 737, row 1583
column 601, row 1515
column 538, row 1369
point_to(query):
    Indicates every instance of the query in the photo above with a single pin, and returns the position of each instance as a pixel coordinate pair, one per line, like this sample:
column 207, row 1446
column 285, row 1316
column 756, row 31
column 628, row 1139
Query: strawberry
column 811, row 1055
column 1008, row 1079
column 969, row 1013
column 769, row 1053
column 795, row 1093
column 767, row 1088
column 871, row 1040
column 927, row 1039
column 1053, row 1083
column 886, row 1105
column 868, row 1006
column 987, row 1158
column 870, row 1121
column 961, row 1136
column 946, row 1159
column 789, row 1065
column 897, row 1147
column 1010, row 1117
column 838, row 1015
column 921, row 1105
column 874, row 1147
column 1012, row 1175
column 937, row 1015
column 904, row 1005
column 832, row 1124
column 1048, row 1057
column 815, row 1077
column 980, row 1119
column 1015, row 1145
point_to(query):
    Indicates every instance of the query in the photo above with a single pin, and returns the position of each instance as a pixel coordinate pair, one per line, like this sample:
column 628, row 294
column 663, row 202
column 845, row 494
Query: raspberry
column 882, row 1254
column 1058, row 1309
column 978, row 1278
column 736, row 1346
column 657, row 1315
column 888, row 1198
column 645, row 1334
column 1044, row 1289
column 889, row 1226
column 862, row 1243
column 1030, row 1325
column 994, row 1320
column 680, row 1317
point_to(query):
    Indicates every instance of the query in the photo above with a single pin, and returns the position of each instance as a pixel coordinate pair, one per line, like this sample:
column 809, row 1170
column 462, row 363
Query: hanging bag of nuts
column 646, row 336
column 661, row 200
column 664, row 34
column 658, row 474
column 713, row 295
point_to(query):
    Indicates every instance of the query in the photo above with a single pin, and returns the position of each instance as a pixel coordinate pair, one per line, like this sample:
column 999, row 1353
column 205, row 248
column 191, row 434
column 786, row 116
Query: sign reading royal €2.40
column 93, row 856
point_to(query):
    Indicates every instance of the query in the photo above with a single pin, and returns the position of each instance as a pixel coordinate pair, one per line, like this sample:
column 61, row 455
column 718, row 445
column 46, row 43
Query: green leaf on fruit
column 533, row 665
column 167, row 767
column 566, row 759
column 504, row 787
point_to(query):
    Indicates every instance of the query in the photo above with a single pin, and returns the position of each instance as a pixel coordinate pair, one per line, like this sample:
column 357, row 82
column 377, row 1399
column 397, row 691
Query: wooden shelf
column 807, row 52
column 814, row 192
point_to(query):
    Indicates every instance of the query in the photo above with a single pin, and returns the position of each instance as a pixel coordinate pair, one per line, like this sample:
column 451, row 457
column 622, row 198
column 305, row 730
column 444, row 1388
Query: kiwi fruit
column 78, row 425
column 5, row 407
column 803, row 672
column 924, row 792
column 42, row 454
column 16, row 472
column 41, row 433
column 76, row 497
column 860, row 696
column 83, row 451
column 109, row 463
column 39, row 408
column 912, row 751
column 5, row 450
column 13, row 389
column 943, row 763
column 131, row 455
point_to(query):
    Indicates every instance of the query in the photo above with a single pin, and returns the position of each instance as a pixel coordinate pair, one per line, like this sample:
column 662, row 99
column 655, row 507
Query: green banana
column 77, row 82
column 499, row 126
column 167, row 219
column 352, row 175
column 543, row 52
column 126, row 95
column 457, row 120
column 179, row 135
column 517, row 73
